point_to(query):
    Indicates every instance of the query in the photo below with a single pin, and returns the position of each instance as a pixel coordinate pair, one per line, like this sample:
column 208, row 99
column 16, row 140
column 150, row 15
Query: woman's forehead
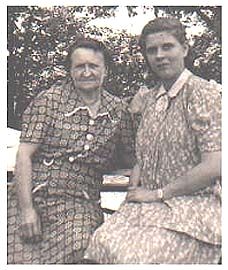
column 86, row 53
column 163, row 36
column 81, row 51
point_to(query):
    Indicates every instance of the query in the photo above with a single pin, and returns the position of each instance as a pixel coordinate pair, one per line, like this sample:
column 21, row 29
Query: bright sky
column 121, row 20
column 135, row 24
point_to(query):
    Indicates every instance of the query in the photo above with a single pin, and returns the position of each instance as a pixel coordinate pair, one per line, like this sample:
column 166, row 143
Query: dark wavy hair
column 89, row 43
column 160, row 24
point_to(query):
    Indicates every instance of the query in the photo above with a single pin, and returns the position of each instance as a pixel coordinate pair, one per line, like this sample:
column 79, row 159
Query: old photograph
column 114, row 134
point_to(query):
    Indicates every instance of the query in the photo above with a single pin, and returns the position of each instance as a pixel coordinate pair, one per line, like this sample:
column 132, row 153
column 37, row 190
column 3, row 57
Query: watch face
column 160, row 193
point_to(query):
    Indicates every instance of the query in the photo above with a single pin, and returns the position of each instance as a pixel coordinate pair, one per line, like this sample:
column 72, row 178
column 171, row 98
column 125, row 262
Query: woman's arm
column 195, row 179
column 30, row 222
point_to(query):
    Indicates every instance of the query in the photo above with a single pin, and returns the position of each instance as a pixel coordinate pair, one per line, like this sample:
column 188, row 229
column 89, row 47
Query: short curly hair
column 89, row 43
column 160, row 24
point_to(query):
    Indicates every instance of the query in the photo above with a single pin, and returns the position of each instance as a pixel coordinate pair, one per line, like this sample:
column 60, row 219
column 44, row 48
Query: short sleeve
column 36, row 119
column 204, row 115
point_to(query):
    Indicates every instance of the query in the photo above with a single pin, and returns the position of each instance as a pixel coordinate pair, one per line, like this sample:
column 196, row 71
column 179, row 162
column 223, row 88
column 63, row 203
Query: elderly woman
column 172, row 210
column 69, row 136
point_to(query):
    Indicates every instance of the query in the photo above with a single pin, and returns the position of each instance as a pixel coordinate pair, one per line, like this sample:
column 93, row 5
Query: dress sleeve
column 36, row 119
column 204, row 115
column 137, row 106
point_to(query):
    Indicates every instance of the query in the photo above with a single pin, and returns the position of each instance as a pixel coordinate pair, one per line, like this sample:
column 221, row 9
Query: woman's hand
column 30, row 225
column 138, row 194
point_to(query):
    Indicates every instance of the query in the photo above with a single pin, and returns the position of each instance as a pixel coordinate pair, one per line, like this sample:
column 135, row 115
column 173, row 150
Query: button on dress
column 75, row 150
column 170, row 140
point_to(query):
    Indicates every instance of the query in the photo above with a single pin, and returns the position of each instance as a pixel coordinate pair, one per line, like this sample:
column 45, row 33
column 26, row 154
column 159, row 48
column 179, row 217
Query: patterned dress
column 177, row 127
column 75, row 150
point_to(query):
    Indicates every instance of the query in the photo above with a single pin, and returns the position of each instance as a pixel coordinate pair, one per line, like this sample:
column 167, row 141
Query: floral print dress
column 176, row 128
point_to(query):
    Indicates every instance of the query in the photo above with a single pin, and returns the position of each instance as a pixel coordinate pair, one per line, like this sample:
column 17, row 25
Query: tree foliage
column 205, row 55
column 38, row 39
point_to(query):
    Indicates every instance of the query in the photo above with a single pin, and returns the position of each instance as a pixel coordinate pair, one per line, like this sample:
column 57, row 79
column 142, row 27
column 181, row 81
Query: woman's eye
column 77, row 67
column 167, row 46
column 151, row 50
column 93, row 66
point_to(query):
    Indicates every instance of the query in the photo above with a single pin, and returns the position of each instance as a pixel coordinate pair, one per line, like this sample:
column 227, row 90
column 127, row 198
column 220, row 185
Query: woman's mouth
column 87, row 81
column 163, row 66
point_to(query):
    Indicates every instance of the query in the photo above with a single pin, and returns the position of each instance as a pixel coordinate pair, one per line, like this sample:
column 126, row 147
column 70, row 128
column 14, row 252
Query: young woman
column 172, row 212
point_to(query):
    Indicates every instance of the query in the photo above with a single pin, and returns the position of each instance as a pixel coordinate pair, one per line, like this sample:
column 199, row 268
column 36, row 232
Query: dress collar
column 176, row 87
column 106, row 107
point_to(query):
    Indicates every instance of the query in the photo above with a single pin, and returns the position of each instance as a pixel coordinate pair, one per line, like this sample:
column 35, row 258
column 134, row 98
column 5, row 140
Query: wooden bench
column 114, row 183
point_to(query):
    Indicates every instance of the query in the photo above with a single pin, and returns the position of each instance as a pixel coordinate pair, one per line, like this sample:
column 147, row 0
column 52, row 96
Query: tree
column 38, row 39
column 205, row 57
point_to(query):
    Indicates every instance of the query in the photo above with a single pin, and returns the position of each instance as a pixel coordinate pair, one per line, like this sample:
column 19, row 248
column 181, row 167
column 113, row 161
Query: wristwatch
column 160, row 194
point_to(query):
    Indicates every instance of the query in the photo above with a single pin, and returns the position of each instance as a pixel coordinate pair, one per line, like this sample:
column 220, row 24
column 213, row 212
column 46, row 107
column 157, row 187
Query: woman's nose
column 160, row 53
column 87, row 71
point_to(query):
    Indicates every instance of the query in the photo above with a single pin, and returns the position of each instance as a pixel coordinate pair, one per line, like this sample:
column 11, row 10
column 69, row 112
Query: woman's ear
column 186, row 49
column 103, row 76
column 106, row 72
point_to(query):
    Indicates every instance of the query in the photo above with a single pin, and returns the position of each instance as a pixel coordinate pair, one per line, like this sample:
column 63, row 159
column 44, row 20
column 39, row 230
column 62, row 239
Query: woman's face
column 87, row 69
column 165, row 55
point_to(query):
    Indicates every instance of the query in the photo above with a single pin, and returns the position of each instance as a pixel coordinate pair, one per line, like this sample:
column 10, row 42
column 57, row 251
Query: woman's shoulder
column 202, row 99
column 49, row 99
column 138, row 103
column 56, row 90
column 110, row 97
column 113, row 101
column 197, row 85
column 53, row 93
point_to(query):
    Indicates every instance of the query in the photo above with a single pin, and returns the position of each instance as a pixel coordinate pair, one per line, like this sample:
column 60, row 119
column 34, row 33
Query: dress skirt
column 130, row 236
column 67, row 224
